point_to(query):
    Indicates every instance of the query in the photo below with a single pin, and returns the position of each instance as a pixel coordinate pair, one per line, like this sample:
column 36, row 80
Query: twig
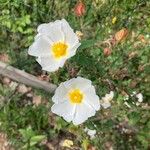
column 25, row 78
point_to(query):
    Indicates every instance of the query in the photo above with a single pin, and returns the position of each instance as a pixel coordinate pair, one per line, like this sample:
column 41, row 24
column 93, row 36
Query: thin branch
column 25, row 78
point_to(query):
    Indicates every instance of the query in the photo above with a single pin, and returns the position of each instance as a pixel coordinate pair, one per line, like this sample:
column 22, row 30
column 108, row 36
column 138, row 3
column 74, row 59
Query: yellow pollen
column 59, row 49
column 75, row 96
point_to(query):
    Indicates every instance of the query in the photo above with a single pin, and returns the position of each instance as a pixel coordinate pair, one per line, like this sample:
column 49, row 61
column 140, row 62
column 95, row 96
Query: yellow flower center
column 75, row 96
column 59, row 49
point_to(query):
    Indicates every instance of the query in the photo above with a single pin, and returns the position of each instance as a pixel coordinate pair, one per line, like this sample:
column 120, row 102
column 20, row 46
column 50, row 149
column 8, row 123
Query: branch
column 25, row 78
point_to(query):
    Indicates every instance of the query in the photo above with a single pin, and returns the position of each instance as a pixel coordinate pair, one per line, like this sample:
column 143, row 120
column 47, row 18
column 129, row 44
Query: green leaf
column 134, row 117
column 60, row 123
column 37, row 138
column 27, row 19
column 27, row 133
column 85, row 144
column 143, row 140
column 85, row 61
column 87, row 43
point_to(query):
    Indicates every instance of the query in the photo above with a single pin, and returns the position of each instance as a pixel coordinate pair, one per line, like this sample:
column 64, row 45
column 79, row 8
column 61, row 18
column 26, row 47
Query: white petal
column 73, row 50
column 38, row 60
column 83, row 112
column 46, row 61
column 54, row 67
column 70, row 37
column 50, row 64
column 139, row 97
column 83, row 83
column 78, row 82
column 92, row 99
column 44, row 28
column 40, row 47
column 65, row 110
column 60, row 94
column 53, row 30
column 69, row 117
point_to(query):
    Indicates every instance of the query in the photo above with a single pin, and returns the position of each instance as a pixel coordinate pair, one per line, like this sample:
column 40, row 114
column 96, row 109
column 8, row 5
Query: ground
column 114, row 55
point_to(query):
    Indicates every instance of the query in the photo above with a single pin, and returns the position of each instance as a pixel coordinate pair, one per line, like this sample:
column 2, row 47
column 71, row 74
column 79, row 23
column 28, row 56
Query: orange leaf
column 121, row 35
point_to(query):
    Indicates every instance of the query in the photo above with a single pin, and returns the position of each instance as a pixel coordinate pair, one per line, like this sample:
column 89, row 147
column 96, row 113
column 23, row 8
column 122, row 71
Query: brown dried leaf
column 4, row 58
column 91, row 147
column 133, row 84
column 132, row 54
column 52, row 119
column 142, row 39
column 108, row 145
column 141, row 68
column 4, row 143
column 37, row 100
column 50, row 146
column 6, row 81
column 79, row 34
column 124, row 93
column 13, row 85
column 121, row 35
column 30, row 94
column 22, row 89
column 122, row 73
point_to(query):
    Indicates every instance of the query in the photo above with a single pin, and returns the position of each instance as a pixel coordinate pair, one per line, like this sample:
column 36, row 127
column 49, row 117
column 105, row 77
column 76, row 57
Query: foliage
column 122, row 127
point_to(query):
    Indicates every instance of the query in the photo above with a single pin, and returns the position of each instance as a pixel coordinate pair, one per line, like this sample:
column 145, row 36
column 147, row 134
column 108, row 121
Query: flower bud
column 79, row 9
column 107, row 51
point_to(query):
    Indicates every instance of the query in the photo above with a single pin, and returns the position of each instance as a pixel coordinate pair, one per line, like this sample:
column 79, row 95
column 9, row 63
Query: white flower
column 90, row 132
column 54, row 44
column 139, row 97
column 75, row 100
column 105, row 101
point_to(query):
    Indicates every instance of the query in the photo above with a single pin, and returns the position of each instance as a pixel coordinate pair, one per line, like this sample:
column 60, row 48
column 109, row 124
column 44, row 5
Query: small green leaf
column 85, row 144
column 37, row 138
column 27, row 133
column 87, row 43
